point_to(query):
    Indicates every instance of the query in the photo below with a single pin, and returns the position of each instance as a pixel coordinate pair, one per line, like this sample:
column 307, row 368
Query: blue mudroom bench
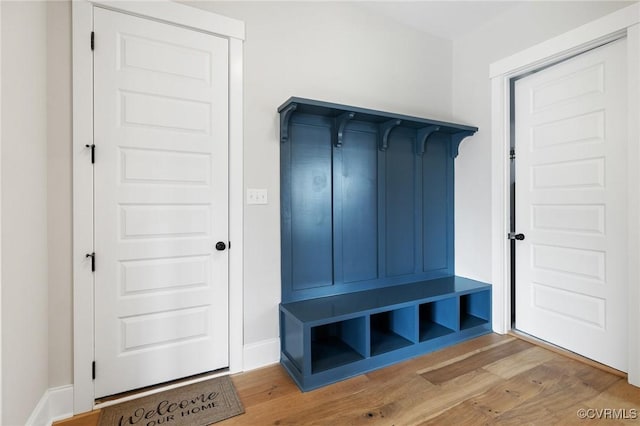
column 367, row 241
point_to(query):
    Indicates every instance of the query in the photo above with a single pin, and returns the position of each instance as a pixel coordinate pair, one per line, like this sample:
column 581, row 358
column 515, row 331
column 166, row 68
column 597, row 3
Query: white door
column 161, row 195
column 570, row 141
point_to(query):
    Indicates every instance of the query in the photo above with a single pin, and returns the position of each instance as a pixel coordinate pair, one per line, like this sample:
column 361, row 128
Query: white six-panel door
column 570, row 122
column 160, row 197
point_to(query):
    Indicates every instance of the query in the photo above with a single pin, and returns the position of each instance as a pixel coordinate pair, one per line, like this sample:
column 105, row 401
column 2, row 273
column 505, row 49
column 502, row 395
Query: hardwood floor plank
column 476, row 361
column 279, row 410
column 513, row 365
column 618, row 404
column 573, row 384
column 442, row 357
column 461, row 414
column 85, row 419
column 511, row 393
column 455, row 391
column 622, row 393
column 463, row 356
column 572, row 355
column 264, row 385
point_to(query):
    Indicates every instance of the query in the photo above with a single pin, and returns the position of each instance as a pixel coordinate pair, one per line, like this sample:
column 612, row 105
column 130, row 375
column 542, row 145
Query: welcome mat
column 201, row 403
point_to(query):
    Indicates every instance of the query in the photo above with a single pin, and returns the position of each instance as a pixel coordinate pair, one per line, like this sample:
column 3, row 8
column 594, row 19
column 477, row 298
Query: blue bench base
column 329, row 339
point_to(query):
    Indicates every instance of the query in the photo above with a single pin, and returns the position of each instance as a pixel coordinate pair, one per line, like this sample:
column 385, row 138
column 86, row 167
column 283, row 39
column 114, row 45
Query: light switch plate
column 257, row 196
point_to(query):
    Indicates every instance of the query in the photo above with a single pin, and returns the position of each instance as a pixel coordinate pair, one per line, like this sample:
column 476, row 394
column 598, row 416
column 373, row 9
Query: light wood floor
column 489, row 380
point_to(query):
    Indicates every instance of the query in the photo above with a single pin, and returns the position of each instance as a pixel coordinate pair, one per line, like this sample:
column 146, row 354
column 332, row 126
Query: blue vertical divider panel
column 403, row 323
column 356, row 204
column 400, row 203
column 437, row 206
column 292, row 336
column 355, row 334
column 311, row 204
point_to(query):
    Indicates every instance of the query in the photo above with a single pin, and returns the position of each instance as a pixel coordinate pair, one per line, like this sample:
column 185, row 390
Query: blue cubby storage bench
column 368, row 241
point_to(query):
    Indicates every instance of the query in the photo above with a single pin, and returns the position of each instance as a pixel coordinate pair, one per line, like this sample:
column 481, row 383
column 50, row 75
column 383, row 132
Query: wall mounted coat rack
column 368, row 241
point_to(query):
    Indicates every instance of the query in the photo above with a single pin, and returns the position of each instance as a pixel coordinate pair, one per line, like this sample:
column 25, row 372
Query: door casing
column 83, row 313
column 622, row 23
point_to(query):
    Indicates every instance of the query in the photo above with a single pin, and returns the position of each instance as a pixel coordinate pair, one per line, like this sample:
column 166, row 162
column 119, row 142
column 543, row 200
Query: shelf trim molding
column 422, row 135
column 456, row 139
column 285, row 117
column 340, row 123
column 384, row 132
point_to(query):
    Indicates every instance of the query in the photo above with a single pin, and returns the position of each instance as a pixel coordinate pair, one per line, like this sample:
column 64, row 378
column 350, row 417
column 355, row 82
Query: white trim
column 236, row 207
column 55, row 404
column 609, row 27
column 500, row 269
column 40, row 414
column 570, row 42
column 1, row 387
column 175, row 13
column 633, row 200
column 83, row 312
column 261, row 354
column 82, row 21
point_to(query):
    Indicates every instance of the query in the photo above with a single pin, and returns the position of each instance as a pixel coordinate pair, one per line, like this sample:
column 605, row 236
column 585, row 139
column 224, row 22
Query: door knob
column 220, row 246
column 514, row 236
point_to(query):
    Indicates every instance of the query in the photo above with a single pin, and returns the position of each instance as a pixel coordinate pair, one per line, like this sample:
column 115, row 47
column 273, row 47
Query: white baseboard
column 261, row 354
column 55, row 404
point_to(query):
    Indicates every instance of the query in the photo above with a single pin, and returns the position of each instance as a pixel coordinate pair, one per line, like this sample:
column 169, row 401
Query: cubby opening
column 392, row 330
column 438, row 318
column 337, row 344
column 475, row 309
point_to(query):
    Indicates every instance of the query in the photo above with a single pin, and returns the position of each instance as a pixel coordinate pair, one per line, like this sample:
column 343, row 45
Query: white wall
column 518, row 28
column 59, row 202
column 24, row 209
column 329, row 51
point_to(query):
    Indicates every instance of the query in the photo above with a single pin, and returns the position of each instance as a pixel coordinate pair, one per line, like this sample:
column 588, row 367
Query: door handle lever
column 514, row 236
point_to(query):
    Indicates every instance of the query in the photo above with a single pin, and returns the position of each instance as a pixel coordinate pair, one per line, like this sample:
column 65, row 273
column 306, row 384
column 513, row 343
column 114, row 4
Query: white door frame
column 621, row 23
column 1, row 387
column 83, row 312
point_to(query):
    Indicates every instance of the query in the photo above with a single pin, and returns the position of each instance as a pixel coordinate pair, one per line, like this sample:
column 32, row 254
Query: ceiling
column 445, row 19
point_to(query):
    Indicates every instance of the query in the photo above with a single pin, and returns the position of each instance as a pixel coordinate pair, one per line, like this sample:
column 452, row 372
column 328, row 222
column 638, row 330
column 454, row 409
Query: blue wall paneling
column 367, row 205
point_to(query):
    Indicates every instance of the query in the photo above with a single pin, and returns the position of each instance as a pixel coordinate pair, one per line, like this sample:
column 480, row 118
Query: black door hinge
column 514, row 236
column 93, row 40
column 512, row 154
column 93, row 261
column 93, row 370
column 93, row 152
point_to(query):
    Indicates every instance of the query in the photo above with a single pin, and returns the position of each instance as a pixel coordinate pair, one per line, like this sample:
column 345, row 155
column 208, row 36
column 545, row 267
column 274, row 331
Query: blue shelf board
column 383, row 341
column 332, row 110
column 331, row 353
column 431, row 330
column 333, row 308
column 469, row 321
